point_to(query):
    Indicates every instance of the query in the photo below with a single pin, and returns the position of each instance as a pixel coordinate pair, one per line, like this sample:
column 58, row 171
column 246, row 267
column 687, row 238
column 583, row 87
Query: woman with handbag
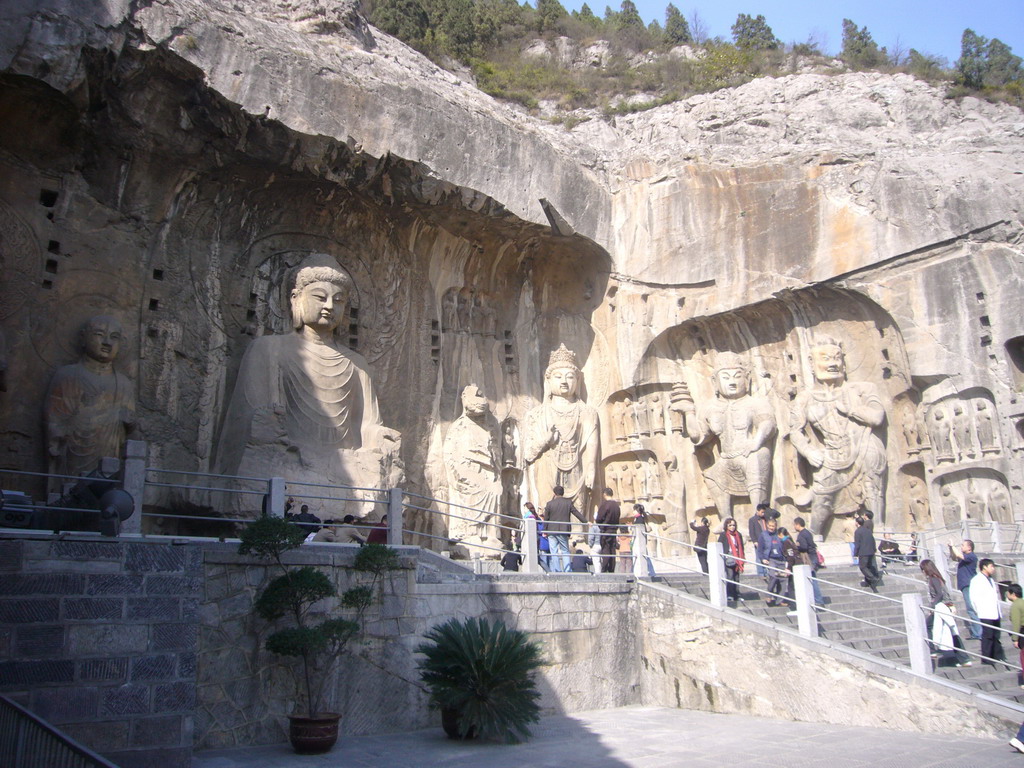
column 732, row 550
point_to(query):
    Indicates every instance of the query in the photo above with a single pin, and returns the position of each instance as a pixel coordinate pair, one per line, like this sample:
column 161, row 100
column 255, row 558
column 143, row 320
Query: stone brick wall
column 245, row 693
column 99, row 637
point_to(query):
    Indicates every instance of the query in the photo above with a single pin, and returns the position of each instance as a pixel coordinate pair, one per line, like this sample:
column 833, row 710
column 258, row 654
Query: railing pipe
column 917, row 634
column 806, row 618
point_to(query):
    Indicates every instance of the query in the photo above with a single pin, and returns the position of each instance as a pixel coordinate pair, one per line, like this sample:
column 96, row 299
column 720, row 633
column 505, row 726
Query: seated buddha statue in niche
column 303, row 406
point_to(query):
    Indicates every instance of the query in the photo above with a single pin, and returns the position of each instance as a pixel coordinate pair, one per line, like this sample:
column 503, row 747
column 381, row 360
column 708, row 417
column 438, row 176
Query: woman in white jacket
column 946, row 638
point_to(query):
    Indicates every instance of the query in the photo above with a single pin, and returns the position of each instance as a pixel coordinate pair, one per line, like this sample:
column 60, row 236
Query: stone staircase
column 881, row 640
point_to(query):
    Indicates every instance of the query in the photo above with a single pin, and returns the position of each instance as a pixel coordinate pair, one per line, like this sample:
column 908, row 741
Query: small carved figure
column 449, row 311
column 918, row 503
column 833, row 426
column 654, row 478
column 939, row 429
column 643, row 418
column 619, row 416
column 963, row 427
column 474, row 477
column 464, row 310
column 999, row 508
column 628, row 483
column 657, row 414
column 508, row 444
column 742, row 425
column 986, row 429
column 975, row 503
column 90, row 407
column 642, row 488
column 951, row 509
column 909, row 422
column 303, row 404
column 632, row 427
column 561, row 437
column 611, row 479
column 488, row 317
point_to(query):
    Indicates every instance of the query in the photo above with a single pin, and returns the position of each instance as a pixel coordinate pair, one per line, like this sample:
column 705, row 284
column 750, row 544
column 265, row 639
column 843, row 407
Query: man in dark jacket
column 608, row 516
column 806, row 546
column 755, row 527
column 557, row 526
column 864, row 550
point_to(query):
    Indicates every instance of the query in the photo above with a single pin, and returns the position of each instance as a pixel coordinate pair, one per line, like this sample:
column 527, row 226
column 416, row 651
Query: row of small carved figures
column 954, row 428
column 466, row 311
column 634, row 480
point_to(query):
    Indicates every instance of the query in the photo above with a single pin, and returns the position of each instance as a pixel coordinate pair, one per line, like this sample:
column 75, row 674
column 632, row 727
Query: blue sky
column 930, row 26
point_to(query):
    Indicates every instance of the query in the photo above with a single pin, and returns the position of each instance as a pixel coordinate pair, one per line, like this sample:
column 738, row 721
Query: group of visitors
column 776, row 553
column 603, row 539
column 347, row 531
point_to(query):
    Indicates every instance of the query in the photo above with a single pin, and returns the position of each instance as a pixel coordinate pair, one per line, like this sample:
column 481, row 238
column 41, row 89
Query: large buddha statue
column 561, row 440
column 742, row 425
column 834, row 426
column 90, row 407
column 303, row 406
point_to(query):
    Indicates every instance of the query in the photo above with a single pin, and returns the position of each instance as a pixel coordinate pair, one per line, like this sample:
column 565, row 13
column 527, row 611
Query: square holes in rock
column 51, row 266
column 158, row 274
column 154, row 305
column 48, row 197
column 53, row 246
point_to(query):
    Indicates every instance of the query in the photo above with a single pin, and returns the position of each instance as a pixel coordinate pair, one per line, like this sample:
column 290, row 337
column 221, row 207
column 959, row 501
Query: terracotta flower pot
column 313, row 735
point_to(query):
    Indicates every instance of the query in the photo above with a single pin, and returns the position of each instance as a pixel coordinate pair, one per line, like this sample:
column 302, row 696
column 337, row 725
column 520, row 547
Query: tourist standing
column 608, row 515
column 966, row 569
column 985, row 596
column 732, row 552
column 700, row 542
column 641, row 560
column 864, row 550
column 755, row 527
column 557, row 525
column 808, row 550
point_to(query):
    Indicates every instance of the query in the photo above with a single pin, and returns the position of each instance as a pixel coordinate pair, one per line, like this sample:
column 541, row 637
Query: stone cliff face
column 169, row 162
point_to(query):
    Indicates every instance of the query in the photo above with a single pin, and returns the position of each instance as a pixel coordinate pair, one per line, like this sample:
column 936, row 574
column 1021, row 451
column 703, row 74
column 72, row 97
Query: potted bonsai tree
column 481, row 676
column 314, row 639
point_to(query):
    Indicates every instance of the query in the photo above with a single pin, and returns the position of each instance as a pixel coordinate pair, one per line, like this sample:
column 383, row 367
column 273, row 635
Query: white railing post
column 275, row 497
column 134, row 482
column 529, row 546
column 806, row 618
column 917, row 633
column 395, row 510
column 997, row 541
column 1020, row 572
column 716, row 575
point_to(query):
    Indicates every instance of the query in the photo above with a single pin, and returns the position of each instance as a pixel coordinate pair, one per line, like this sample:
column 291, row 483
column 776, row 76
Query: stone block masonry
column 103, row 641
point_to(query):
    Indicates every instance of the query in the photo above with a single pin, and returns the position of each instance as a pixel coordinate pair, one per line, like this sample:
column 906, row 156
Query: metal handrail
column 205, row 488
column 28, row 740
column 203, row 474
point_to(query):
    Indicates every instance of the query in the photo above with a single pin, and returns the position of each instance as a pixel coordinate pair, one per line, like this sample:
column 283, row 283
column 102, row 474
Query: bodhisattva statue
column 832, row 426
column 743, row 426
column 90, row 407
column 561, row 441
column 303, row 406
column 471, row 457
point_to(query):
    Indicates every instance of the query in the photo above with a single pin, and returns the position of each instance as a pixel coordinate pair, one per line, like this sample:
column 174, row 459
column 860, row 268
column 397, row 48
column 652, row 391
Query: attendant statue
column 471, row 457
column 834, row 426
column 999, row 506
column 975, row 503
column 654, row 478
column 561, row 441
column 303, row 406
column 643, row 417
column 90, row 407
column 632, row 428
column 619, row 420
column 741, row 425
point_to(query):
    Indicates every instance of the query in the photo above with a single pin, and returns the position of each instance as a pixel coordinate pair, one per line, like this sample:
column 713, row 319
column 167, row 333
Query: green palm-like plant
column 484, row 673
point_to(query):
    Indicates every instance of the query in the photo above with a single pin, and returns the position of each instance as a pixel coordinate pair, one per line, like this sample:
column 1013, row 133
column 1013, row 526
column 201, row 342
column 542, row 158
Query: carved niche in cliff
column 826, row 401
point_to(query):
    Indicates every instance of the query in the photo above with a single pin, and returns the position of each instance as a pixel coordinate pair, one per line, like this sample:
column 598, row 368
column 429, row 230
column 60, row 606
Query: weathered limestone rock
column 162, row 161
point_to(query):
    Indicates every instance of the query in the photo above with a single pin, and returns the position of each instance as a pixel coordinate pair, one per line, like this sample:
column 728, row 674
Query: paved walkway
column 646, row 737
